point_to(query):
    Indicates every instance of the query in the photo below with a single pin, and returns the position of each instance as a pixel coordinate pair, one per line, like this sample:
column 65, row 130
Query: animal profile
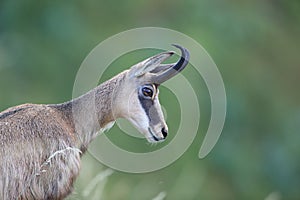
column 41, row 145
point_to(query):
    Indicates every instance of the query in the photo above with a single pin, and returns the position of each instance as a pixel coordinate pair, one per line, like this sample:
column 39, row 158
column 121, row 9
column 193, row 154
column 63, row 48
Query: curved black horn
column 176, row 68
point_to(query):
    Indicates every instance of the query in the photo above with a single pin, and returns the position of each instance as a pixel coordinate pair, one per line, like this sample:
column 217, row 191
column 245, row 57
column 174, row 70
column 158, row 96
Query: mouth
column 154, row 137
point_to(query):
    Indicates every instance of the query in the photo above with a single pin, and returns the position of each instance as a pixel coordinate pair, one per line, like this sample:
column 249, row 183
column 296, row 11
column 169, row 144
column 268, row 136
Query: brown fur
column 41, row 145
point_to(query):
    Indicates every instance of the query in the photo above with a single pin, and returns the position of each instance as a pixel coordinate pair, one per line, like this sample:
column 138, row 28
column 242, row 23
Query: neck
column 93, row 111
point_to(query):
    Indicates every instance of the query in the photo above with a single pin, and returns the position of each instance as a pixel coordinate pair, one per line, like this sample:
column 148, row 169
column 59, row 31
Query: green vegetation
column 255, row 45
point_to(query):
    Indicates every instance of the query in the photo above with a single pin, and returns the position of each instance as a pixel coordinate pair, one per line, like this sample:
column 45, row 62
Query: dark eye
column 147, row 92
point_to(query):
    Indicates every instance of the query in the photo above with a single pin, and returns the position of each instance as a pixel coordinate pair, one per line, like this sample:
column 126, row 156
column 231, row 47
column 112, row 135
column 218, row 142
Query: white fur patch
column 52, row 157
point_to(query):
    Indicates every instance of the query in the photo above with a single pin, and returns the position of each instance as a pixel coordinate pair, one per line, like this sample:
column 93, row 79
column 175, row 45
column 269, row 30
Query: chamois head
column 138, row 98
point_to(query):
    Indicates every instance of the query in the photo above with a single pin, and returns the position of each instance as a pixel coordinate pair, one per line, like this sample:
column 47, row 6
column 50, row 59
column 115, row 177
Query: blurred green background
column 256, row 46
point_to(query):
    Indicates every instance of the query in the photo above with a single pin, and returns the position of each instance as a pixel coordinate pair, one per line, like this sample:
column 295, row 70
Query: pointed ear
column 149, row 64
column 175, row 69
column 161, row 68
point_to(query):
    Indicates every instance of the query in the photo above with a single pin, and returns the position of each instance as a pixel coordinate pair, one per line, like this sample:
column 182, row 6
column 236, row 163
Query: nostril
column 164, row 131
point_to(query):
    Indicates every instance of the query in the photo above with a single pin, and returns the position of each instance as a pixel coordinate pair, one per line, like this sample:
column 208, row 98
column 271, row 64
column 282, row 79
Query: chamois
column 41, row 145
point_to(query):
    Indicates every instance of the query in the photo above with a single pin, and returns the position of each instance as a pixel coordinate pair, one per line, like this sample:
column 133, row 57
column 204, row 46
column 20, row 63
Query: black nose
column 164, row 131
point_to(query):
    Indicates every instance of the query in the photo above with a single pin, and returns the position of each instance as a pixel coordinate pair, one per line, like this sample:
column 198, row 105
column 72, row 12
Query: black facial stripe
column 150, row 111
column 146, row 104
